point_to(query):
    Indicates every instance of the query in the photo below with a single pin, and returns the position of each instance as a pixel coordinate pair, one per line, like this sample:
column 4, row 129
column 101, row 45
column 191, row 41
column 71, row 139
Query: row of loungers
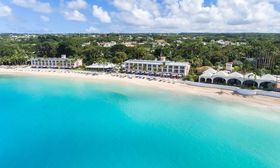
column 149, row 78
column 166, row 75
column 59, row 71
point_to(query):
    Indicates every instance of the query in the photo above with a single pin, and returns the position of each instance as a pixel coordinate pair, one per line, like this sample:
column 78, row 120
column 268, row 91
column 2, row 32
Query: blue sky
column 103, row 16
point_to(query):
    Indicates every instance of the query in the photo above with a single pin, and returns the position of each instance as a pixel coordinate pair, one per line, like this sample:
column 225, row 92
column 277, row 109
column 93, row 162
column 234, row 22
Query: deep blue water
column 61, row 123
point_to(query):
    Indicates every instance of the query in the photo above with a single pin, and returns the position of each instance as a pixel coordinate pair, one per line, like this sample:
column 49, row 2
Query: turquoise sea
column 62, row 123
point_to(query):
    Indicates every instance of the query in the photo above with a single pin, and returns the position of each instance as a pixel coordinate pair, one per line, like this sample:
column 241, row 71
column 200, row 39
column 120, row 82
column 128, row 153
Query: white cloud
column 168, row 15
column 45, row 18
column 5, row 10
column 102, row 15
column 75, row 16
column 92, row 30
column 77, row 4
column 71, row 10
column 35, row 5
column 193, row 16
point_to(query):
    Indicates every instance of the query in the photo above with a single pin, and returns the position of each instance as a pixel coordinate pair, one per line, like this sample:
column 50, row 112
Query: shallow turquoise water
column 60, row 123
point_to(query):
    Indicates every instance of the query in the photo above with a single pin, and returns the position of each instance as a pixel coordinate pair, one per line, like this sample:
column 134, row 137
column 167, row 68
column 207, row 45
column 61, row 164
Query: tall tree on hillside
column 45, row 49
column 118, row 48
column 69, row 48
column 92, row 54
column 119, row 57
column 265, row 53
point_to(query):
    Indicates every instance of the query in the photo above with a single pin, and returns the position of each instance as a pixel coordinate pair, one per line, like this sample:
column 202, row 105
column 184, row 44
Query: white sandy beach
column 225, row 95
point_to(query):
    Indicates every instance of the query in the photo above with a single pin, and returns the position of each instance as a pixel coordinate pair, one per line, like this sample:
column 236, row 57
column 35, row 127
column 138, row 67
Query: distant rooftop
column 157, row 62
column 51, row 59
column 63, row 57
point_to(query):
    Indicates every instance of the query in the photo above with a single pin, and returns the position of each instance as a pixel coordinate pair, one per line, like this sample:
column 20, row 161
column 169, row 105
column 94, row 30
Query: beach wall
column 267, row 93
column 235, row 89
column 231, row 88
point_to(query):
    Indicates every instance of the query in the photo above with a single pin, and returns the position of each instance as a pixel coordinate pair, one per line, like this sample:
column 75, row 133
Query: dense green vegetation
column 259, row 53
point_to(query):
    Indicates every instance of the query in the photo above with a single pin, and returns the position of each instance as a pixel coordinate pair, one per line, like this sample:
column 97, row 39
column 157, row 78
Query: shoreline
column 217, row 94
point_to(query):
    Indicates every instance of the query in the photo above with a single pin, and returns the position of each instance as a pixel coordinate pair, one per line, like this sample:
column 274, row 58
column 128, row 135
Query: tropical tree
column 119, row 57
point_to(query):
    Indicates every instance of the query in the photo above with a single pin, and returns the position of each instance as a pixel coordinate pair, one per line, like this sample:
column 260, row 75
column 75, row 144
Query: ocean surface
column 62, row 123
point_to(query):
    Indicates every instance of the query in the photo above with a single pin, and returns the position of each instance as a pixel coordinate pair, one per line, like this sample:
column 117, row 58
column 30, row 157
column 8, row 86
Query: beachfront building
column 157, row 67
column 267, row 81
column 278, row 83
column 107, row 44
column 206, row 77
column 56, row 63
column 101, row 67
column 236, row 79
column 229, row 66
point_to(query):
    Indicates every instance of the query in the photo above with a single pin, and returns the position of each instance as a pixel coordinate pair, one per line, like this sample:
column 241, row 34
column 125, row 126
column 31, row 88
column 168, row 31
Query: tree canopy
column 257, row 53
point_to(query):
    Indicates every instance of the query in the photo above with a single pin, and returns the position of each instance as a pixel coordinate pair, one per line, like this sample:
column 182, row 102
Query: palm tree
column 134, row 67
column 59, row 64
column 160, row 68
column 163, row 66
column 145, row 67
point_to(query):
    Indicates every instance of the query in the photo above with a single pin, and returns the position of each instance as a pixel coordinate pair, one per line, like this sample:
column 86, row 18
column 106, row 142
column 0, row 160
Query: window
column 149, row 67
column 182, row 71
column 169, row 68
column 154, row 67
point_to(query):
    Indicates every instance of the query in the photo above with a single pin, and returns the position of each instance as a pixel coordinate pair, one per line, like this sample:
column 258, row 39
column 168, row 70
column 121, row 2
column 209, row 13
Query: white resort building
column 237, row 79
column 157, row 67
column 63, row 63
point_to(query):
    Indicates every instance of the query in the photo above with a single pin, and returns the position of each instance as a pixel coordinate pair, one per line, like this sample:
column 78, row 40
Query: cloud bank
column 194, row 16
column 157, row 15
